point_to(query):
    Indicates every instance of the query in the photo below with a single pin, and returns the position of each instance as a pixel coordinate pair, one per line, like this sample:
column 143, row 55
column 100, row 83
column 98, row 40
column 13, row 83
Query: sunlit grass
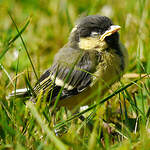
column 119, row 121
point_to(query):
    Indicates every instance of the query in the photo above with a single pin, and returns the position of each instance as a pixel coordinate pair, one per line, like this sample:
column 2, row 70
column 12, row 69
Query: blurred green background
column 50, row 24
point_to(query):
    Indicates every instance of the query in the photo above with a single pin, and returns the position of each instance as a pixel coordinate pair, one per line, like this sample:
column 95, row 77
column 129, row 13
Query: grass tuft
column 121, row 120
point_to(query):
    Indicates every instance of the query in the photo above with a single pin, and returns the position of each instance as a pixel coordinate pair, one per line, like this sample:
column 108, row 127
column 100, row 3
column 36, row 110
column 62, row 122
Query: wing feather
column 79, row 79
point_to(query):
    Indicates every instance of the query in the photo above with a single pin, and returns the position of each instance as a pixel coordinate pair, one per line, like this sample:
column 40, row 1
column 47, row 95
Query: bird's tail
column 20, row 93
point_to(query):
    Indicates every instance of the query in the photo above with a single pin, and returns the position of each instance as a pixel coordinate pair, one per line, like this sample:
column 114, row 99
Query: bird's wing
column 73, row 73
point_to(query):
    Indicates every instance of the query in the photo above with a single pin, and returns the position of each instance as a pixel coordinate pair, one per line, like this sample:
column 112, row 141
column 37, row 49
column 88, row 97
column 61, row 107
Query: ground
column 119, row 122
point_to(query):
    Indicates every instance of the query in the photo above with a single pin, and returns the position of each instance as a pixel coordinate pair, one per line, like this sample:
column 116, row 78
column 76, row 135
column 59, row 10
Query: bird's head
column 95, row 32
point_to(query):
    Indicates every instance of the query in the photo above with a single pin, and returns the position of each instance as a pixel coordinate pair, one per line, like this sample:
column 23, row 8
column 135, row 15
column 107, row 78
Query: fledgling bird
column 93, row 57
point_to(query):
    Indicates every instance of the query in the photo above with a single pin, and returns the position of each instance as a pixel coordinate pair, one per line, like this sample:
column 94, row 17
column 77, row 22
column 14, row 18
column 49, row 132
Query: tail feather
column 19, row 93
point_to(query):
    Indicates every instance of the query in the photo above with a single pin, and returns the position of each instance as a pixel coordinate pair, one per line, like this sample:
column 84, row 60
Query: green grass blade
column 4, row 52
column 13, row 40
column 68, row 19
column 48, row 132
column 1, row 66
column 16, row 74
column 19, row 33
column 24, row 46
column 99, row 103
column 29, row 86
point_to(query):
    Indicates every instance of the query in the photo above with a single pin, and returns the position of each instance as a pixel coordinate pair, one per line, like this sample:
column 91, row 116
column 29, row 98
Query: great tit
column 93, row 57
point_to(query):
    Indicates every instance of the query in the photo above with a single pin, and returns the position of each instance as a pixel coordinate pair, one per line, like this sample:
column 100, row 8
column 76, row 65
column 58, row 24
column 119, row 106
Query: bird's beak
column 110, row 31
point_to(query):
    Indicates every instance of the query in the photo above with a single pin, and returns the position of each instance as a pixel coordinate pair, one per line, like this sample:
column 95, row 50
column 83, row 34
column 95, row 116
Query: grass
column 27, row 47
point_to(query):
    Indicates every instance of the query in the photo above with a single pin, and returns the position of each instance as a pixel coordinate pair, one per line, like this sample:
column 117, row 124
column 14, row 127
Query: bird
column 94, row 58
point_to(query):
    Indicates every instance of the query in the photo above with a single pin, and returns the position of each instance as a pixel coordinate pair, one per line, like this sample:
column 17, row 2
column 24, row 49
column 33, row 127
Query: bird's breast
column 108, row 70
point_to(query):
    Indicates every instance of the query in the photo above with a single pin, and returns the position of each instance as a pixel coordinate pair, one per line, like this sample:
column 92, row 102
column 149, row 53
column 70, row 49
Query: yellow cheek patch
column 90, row 43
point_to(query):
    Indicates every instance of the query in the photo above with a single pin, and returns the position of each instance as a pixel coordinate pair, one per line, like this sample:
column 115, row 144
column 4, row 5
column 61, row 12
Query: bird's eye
column 94, row 34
